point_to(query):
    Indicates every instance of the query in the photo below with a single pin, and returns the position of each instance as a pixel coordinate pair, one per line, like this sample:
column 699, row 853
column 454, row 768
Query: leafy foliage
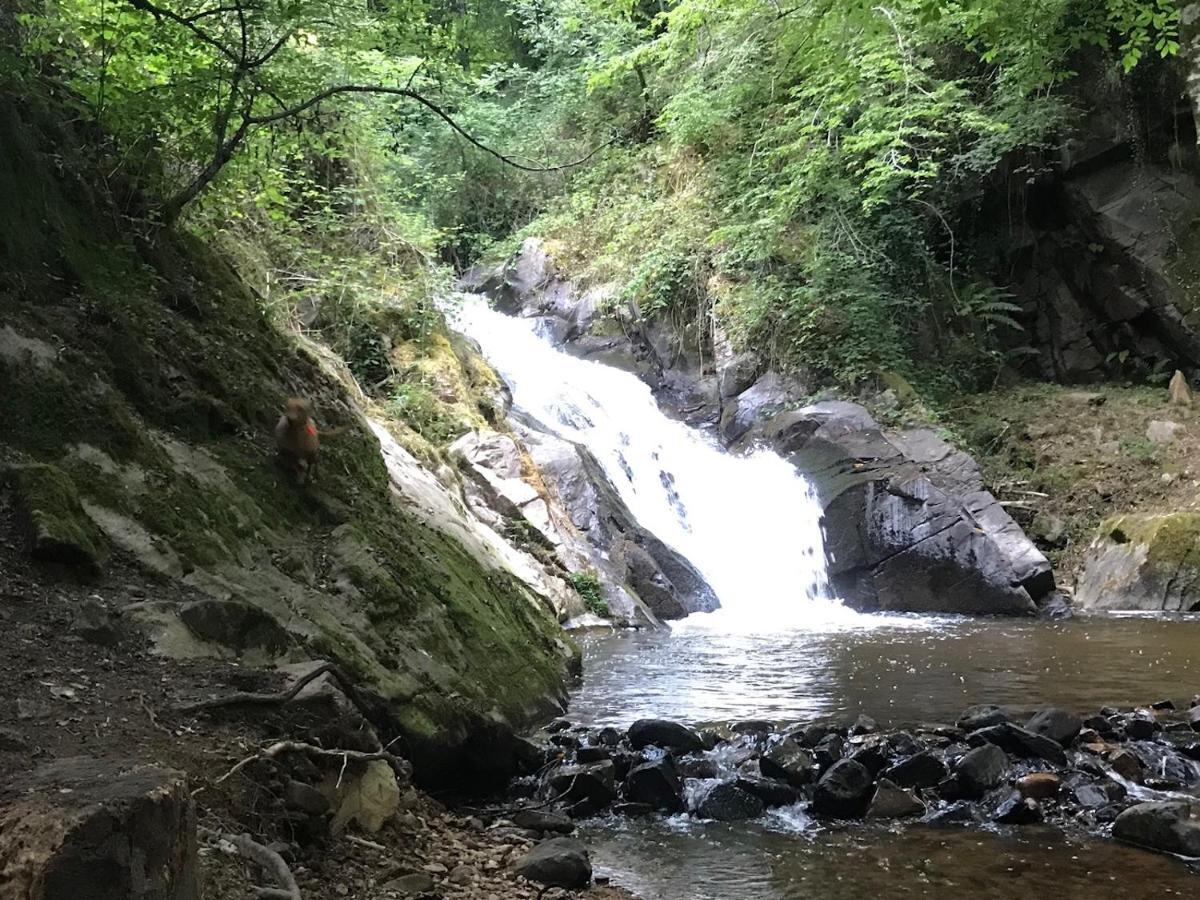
column 587, row 585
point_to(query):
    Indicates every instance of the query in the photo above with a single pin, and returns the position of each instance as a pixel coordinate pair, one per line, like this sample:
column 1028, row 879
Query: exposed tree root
column 267, row 859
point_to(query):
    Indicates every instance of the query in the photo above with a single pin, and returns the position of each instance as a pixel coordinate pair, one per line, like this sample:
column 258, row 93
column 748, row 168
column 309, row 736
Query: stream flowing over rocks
column 908, row 525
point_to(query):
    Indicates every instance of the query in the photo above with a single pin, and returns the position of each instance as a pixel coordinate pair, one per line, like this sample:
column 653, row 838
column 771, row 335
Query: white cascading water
column 750, row 524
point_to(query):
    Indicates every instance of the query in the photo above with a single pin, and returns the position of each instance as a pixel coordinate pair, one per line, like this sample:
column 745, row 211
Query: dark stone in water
column 919, row 771
column 624, row 761
column 661, row 733
column 559, row 862
column 1127, row 765
column 540, row 820
column 864, row 724
column 1141, row 724
column 872, row 757
column 829, row 751
column 633, row 810
column 903, row 744
column 710, row 739
column 567, row 741
column 812, row 735
column 1019, row 742
column 752, row 726
column 1090, row 796
column 698, row 768
column 1059, row 725
column 657, row 784
column 592, row 754
column 844, row 792
column 958, row 813
column 771, row 793
column 977, row 717
column 980, row 770
column 1102, row 725
column 1017, row 810
column 1163, row 704
column 726, row 802
column 593, row 784
column 1193, row 718
column 1172, row 826
column 788, row 761
column 893, row 802
column 608, row 736
column 558, row 725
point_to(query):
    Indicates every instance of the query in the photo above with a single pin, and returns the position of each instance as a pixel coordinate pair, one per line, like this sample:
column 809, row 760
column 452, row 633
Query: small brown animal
column 297, row 440
column 1180, row 392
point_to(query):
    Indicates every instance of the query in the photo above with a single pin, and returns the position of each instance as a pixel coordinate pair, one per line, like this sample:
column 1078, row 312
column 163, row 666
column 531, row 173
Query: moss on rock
column 1143, row 562
column 60, row 529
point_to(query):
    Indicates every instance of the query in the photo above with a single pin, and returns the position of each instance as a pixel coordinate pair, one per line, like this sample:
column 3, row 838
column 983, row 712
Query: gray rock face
column 1171, row 826
column 908, row 523
column 1019, row 742
column 102, row 830
column 893, row 802
column 559, row 862
column 1143, row 562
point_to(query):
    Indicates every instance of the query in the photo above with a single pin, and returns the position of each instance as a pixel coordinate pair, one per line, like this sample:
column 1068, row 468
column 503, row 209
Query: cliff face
column 139, row 385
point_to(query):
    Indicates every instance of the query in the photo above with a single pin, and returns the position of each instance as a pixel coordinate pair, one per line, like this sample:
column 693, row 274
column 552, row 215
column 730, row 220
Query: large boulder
column 559, row 862
column 1172, row 826
column 1143, row 562
column 909, row 525
column 103, row 830
column 725, row 801
column 655, row 783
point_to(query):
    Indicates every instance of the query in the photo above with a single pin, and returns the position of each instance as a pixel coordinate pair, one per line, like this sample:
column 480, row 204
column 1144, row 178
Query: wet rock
column 918, row 771
column 872, row 756
column 592, row 754
column 772, row 793
column 567, row 741
column 1162, row 705
column 752, row 726
column 1141, row 724
column 410, row 885
column 1127, row 765
column 1171, row 826
column 657, row 784
column 542, row 821
column 1039, row 785
column 633, row 810
column 1059, row 725
column 1100, row 724
column 726, row 802
column 829, row 751
column 81, row 827
column 661, row 733
column 893, row 802
column 977, row 717
column 608, row 736
column 844, row 792
column 864, row 725
column 788, row 761
column 980, row 770
column 1017, row 810
column 558, row 862
column 593, row 784
column 1090, row 796
column 958, row 813
column 1193, row 718
column 1019, row 742
column 702, row 768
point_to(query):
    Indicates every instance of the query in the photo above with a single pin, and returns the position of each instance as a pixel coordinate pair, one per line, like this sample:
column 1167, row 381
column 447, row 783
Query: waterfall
column 749, row 523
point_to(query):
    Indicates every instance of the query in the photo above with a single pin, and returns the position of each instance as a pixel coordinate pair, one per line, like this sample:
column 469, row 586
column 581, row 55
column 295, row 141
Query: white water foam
column 751, row 524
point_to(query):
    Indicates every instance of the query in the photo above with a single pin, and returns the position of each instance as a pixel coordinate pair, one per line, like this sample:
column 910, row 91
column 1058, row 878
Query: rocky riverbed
column 1131, row 774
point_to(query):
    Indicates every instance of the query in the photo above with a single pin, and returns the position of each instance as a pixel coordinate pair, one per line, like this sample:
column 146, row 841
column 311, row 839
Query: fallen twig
column 266, row 858
column 363, row 842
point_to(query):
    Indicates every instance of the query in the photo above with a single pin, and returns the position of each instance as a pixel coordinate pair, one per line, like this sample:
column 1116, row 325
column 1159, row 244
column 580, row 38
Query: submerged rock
column 1020, row 742
column 558, row 862
column 844, row 792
